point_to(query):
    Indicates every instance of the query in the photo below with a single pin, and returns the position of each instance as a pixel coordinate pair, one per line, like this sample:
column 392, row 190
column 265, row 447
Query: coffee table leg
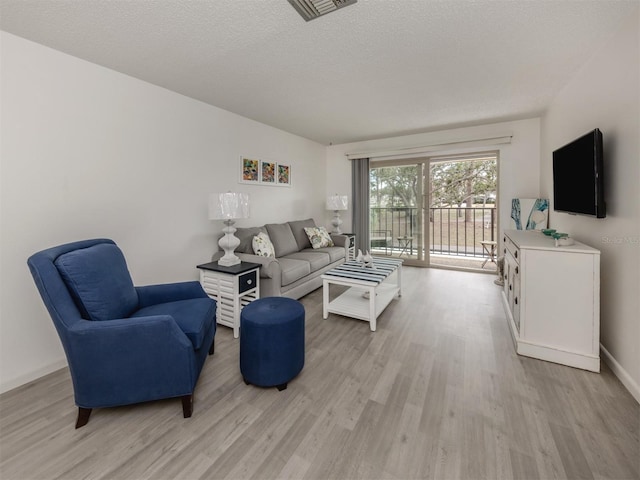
column 372, row 309
column 325, row 299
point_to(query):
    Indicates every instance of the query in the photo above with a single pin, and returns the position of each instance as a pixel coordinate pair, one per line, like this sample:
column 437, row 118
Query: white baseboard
column 31, row 376
column 621, row 373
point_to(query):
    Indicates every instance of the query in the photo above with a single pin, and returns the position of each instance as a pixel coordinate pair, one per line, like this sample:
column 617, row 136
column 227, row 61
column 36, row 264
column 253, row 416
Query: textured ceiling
column 375, row 69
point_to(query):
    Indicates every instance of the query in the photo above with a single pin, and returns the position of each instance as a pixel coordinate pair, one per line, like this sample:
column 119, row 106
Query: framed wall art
column 268, row 172
column 258, row 171
column 249, row 170
column 284, row 175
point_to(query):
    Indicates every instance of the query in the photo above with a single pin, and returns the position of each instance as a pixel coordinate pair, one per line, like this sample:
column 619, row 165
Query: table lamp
column 228, row 207
column 336, row 203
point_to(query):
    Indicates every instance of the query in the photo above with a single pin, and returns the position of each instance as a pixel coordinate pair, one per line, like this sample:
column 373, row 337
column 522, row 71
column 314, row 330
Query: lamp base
column 229, row 262
column 229, row 242
column 336, row 222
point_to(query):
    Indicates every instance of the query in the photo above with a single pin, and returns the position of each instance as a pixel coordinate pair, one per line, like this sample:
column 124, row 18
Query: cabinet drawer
column 247, row 281
column 508, row 245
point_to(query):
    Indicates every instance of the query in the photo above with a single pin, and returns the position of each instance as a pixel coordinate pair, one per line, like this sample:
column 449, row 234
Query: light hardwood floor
column 436, row 392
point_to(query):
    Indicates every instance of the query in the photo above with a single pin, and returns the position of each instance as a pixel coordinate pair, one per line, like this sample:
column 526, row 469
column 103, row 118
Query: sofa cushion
column 262, row 245
column 99, row 281
column 319, row 237
column 192, row 316
column 335, row 253
column 293, row 269
column 282, row 238
column 245, row 235
column 297, row 227
column 316, row 259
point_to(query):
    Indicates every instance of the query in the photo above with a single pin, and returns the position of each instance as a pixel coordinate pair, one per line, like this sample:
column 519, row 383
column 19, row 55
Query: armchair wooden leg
column 83, row 417
column 187, row 405
column 212, row 348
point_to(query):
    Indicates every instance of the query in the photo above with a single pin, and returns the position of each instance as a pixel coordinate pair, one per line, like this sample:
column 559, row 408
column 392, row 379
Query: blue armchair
column 124, row 344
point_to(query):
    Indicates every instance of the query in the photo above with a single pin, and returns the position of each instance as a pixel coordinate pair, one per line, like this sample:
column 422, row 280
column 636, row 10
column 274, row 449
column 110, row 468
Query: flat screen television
column 578, row 181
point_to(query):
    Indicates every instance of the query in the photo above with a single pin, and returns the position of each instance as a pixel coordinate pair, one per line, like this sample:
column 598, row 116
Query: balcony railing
column 452, row 230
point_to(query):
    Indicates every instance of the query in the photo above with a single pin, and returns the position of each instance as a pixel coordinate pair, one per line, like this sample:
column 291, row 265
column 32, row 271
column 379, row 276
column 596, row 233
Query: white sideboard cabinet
column 552, row 298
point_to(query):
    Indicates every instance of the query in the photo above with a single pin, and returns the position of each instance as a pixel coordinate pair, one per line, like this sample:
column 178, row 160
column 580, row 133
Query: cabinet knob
column 249, row 282
column 516, row 254
column 509, row 287
column 517, row 271
column 515, row 300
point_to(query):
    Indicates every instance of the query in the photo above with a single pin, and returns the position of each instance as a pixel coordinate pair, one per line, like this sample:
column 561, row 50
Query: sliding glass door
column 397, row 214
column 435, row 211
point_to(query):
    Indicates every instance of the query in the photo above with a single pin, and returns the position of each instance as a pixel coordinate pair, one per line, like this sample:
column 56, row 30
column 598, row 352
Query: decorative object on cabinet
column 228, row 207
column 232, row 287
column 337, row 203
column 529, row 213
column 552, row 299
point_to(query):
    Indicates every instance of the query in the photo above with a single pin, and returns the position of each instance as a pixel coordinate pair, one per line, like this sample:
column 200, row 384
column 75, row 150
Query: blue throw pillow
column 99, row 281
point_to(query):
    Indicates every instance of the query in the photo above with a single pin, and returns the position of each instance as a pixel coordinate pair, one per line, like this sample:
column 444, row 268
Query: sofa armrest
column 269, row 266
column 340, row 240
column 169, row 292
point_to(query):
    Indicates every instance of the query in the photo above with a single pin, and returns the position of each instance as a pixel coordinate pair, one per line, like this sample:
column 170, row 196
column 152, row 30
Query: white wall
column 519, row 161
column 605, row 94
column 88, row 152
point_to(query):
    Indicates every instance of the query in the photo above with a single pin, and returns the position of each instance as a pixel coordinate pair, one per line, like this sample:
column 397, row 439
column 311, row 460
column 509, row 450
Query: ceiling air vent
column 310, row 9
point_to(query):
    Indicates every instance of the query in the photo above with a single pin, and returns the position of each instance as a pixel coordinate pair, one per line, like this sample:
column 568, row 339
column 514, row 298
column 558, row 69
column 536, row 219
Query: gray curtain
column 360, row 202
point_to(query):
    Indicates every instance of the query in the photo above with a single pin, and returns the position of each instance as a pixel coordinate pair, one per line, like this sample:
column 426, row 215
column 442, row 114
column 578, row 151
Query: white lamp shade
column 337, row 202
column 225, row 206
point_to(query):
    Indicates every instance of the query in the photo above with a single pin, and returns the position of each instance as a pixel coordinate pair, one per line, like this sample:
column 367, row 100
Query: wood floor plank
column 437, row 392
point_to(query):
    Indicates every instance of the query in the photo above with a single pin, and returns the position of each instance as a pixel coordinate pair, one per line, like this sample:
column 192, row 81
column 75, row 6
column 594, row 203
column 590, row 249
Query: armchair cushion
column 99, row 281
column 192, row 316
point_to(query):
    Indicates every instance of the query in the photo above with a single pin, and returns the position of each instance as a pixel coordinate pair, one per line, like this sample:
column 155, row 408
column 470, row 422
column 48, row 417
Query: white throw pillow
column 262, row 245
column 319, row 237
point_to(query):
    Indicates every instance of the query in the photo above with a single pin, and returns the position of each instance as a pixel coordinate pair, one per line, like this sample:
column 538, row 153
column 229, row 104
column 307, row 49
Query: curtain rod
column 434, row 147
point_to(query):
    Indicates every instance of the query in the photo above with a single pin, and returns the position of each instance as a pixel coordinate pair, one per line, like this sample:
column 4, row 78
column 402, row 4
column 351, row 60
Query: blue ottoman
column 271, row 341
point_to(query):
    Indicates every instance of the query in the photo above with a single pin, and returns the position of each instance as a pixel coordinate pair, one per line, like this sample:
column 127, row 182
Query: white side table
column 233, row 288
column 352, row 246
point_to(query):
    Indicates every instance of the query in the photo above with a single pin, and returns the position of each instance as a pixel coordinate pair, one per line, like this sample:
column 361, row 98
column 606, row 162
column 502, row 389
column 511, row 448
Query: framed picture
column 284, row 175
column 249, row 170
column 264, row 172
column 267, row 172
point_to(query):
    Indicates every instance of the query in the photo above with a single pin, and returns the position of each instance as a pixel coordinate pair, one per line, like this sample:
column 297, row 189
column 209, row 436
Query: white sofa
column 296, row 268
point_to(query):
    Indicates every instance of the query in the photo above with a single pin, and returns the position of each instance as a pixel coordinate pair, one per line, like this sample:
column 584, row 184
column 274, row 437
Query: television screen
column 577, row 176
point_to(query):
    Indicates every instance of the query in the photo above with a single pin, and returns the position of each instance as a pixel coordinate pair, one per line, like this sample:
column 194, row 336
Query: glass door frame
column 422, row 228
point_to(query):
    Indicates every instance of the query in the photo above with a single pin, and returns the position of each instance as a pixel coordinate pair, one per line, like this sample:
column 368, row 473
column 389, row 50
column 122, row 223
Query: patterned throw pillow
column 262, row 245
column 319, row 237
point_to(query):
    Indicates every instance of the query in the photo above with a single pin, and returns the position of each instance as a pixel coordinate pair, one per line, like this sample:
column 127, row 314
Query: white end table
column 232, row 288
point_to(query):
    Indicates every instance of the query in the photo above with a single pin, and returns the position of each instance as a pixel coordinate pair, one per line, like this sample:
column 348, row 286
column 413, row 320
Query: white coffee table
column 370, row 289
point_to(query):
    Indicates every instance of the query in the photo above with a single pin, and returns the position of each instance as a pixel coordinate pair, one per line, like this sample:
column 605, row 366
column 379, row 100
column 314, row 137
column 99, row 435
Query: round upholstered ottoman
column 271, row 341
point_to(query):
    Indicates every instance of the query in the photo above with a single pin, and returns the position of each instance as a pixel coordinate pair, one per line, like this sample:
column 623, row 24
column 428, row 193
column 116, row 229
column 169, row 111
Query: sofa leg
column 83, row 417
column 187, row 405
column 212, row 348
